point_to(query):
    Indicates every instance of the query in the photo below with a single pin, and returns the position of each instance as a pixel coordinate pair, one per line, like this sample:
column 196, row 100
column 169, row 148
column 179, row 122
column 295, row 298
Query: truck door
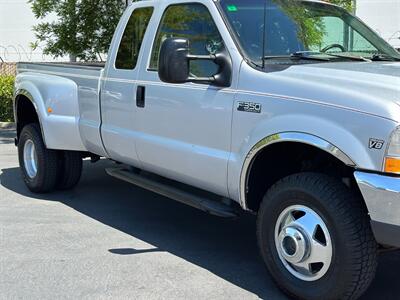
column 185, row 129
column 118, row 92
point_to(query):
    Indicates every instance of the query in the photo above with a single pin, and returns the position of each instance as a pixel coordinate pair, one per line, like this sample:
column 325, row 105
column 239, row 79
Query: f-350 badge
column 249, row 107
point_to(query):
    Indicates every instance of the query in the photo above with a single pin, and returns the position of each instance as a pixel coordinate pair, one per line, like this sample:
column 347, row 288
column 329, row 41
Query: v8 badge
column 376, row 144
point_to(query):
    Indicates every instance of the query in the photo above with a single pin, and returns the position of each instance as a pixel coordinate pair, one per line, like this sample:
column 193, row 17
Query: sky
column 16, row 21
column 383, row 17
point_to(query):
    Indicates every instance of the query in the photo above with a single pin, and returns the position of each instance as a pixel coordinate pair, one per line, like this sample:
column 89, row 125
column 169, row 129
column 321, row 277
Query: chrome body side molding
column 295, row 137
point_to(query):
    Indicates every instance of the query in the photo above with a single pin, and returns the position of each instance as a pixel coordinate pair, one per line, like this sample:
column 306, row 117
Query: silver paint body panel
column 194, row 133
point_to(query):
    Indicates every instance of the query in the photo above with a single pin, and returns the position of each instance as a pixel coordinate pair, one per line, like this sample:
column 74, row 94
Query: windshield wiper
column 351, row 57
column 308, row 55
column 383, row 57
column 311, row 55
column 298, row 56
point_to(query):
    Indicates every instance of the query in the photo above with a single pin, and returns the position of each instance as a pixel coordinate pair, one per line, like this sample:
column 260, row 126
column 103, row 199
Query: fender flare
column 25, row 93
column 296, row 137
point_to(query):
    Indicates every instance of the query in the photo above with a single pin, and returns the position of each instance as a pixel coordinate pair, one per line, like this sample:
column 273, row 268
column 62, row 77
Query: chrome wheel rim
column 30, row 159
column 303, row 243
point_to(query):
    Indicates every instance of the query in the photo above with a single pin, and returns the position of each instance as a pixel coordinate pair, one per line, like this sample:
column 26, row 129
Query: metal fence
column 8, row 68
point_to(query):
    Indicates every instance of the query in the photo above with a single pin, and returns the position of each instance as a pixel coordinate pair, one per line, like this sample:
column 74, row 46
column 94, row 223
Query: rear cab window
column 132, row 38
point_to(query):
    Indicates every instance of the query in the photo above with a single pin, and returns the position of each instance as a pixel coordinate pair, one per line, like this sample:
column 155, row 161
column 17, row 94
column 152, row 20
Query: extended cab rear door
column 185, row 129
column 118, row 92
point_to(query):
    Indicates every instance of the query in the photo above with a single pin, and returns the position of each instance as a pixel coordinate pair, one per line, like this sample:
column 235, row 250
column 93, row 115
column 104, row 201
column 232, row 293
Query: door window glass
column 194, row 22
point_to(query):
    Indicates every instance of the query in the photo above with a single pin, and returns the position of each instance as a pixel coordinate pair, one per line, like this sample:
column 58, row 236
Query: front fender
column 345, row 136
column 354, row 146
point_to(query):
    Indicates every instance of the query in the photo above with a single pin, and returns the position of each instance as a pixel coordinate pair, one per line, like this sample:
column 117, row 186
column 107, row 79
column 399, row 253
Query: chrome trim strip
column 381, row 195
column 130, row 81
column 22, row 92
column 298, row 137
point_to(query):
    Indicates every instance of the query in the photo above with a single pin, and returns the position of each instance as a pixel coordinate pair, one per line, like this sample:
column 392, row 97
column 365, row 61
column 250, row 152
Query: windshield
column 268, row 29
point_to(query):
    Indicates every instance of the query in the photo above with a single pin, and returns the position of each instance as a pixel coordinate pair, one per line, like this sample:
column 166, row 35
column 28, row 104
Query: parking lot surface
column 108, row 239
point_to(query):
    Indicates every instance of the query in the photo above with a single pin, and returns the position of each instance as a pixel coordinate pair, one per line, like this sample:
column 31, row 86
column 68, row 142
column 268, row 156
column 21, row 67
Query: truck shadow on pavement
column 227, row 248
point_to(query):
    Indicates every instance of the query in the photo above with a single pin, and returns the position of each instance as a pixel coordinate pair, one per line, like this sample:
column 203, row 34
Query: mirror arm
column 201, row 57
column 201, row 79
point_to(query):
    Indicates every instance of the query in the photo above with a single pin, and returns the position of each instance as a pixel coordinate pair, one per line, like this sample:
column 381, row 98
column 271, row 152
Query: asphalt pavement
column 107, row 239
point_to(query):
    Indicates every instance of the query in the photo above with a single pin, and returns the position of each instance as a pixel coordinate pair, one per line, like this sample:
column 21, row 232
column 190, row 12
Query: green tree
column 346, row 4
column 82, row 28
column 311, row 29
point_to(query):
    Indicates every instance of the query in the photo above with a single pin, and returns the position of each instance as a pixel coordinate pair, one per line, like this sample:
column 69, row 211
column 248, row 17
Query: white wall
column 383, row 16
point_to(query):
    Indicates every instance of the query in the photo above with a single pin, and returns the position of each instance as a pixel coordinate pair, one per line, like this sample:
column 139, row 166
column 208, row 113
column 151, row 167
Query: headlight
column 392, row 159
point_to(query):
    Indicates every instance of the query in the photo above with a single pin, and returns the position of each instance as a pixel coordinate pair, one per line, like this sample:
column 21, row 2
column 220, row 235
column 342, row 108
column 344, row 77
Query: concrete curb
column 7, row 125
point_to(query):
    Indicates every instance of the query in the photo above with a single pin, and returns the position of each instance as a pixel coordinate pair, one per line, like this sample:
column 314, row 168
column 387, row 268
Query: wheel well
column 26, row 112
column 283, row 159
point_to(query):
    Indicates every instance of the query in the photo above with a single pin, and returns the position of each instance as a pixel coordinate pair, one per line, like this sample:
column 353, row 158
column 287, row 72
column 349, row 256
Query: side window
column 131, row 41
column 194, row 22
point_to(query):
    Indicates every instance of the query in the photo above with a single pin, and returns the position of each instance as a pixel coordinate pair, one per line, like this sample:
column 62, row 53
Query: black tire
column 47, row 167
column 354, row 249
column 70, row 165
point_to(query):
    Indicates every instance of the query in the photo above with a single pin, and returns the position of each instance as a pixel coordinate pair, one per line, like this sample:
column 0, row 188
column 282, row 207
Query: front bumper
column 382, row 197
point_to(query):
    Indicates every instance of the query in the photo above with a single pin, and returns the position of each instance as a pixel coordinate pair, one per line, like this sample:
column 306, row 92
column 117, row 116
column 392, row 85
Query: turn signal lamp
column 392, row 165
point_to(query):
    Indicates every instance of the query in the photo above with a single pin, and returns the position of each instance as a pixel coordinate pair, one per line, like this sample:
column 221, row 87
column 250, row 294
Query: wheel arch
column 26, row 111
column 286, row 140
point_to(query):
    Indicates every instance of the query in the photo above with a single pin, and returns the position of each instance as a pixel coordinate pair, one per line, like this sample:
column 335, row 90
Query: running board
column 217, row 208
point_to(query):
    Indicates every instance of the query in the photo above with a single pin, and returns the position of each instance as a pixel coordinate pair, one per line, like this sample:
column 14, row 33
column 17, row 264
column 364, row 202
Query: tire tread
column 47, row 161
column 354, row 216
column 70, row 169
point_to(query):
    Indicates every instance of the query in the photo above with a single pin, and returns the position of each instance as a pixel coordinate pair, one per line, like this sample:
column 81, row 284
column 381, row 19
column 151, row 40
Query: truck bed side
column 66, row 99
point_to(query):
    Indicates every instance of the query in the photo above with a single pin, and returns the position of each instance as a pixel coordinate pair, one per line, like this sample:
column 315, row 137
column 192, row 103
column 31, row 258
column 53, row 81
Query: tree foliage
column 346, row 4
column 311, row 29
column 6, row 96
column 81, row 29
column 84, row 28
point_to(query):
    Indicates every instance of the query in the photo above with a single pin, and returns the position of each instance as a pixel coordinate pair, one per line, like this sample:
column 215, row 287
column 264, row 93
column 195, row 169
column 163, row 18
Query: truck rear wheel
column 315, row 238
column 70, row 166
column 38, row 164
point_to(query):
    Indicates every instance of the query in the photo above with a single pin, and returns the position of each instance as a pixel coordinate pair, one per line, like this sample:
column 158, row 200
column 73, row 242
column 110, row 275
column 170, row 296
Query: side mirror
column 174, row 64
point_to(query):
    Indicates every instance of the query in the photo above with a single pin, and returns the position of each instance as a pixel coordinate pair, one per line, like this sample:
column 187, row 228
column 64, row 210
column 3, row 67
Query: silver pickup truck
column 287, row 109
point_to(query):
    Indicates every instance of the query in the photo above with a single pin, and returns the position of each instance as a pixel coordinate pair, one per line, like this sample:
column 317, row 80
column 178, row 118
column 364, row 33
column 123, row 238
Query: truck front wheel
column 38, row 164
column 315, row 238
